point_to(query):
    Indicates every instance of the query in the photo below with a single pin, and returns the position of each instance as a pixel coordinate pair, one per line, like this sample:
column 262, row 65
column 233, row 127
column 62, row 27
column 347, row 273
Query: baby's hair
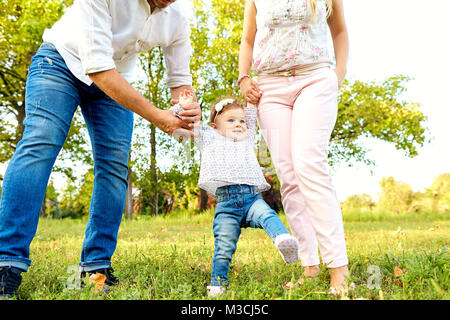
column 236, row 104
column 313, row 4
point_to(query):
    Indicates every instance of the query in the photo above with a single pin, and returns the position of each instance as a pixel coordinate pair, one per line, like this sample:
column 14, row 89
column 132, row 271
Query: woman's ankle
column 311, row 271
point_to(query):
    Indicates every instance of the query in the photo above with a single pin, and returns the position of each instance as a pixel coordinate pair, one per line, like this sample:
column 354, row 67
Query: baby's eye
column 230, row 120
column 243, row 121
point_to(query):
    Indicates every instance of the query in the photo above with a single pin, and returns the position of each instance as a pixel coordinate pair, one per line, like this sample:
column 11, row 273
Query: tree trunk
column 203, row 200
column 153, row 170
column 43, row 206
column 129, row 198
column 20, row 119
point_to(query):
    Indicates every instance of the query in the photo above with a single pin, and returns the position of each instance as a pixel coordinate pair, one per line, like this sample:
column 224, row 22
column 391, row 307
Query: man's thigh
column 110, row 127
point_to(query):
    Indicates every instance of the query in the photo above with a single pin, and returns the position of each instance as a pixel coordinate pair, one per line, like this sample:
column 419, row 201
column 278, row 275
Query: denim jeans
column 52, row 97
column 238, row 206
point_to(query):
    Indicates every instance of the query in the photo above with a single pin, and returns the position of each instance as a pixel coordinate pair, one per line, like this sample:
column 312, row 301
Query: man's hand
column 191, row 113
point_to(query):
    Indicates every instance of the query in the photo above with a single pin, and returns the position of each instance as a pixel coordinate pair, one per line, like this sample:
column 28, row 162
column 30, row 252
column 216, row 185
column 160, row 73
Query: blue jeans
column 238, row 206
column 53, row 94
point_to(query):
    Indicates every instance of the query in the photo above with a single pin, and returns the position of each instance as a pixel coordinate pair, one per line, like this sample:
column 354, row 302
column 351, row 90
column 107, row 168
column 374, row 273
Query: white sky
column 409, row 37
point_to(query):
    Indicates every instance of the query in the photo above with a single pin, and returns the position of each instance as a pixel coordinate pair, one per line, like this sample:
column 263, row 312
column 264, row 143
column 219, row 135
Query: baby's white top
column 224, row 161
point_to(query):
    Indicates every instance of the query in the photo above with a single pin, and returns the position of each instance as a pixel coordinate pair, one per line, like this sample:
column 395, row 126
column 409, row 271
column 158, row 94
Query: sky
column 389, row 37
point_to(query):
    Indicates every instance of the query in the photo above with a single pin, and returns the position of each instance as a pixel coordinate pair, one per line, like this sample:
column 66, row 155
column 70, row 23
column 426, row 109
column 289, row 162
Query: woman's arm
column 338, row 29
column 249, row 89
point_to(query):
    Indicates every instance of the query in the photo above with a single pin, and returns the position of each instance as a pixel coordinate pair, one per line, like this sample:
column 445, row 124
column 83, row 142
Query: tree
column 359, row 201
column 20, row 36
column 375, row 110
column 397, row 197
column 148, row 169
column 76, row 199
column 439, row 192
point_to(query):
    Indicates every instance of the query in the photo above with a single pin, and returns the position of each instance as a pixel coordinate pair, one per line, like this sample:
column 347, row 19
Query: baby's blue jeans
column 238, row 206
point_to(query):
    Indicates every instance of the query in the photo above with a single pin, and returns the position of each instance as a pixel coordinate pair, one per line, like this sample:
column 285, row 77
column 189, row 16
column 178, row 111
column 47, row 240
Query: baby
column 230, row 172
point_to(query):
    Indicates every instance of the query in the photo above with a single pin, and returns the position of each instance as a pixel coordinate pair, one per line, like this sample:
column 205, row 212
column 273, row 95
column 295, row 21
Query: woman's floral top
column 287, row 35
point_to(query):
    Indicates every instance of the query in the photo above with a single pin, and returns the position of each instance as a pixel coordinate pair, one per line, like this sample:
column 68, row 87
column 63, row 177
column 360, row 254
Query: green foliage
column 20, row 36
column 168, row 166
column 215, row 36
column 359, row 201
column 440, row 193
column 75, row 200
column 51, row 201
column 375, row 110
column 396, row 196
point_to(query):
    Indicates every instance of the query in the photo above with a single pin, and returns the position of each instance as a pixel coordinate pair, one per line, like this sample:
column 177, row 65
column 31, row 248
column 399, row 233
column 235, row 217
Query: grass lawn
column 170, row 258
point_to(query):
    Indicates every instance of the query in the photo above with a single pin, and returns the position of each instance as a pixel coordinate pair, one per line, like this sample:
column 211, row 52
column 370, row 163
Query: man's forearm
column 117, row 88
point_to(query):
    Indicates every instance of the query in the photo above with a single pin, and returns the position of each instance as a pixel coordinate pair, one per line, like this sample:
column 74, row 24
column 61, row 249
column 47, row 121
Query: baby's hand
column 186, row 97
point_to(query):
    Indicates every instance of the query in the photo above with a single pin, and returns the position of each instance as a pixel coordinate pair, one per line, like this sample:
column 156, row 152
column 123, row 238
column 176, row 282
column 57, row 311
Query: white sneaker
column 214, row 291
column 287, row 246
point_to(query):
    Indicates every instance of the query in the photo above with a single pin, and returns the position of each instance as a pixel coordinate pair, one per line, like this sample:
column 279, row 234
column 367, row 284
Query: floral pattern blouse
column 287, row 35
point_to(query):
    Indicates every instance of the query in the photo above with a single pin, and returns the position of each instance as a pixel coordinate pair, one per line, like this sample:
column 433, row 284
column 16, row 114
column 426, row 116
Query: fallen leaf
column 397, row 274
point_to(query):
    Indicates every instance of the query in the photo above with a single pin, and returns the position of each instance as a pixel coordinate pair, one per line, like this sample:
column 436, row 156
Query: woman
column 286, row 42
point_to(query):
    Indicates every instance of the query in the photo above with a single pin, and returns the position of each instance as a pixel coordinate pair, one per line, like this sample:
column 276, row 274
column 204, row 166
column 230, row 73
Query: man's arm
column 117, row 88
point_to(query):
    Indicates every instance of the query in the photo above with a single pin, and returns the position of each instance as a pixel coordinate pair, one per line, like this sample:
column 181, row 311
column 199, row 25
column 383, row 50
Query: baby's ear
column 213, row 125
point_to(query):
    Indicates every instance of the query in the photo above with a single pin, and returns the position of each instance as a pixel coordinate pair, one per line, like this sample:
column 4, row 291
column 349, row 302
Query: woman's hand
column 250, row 90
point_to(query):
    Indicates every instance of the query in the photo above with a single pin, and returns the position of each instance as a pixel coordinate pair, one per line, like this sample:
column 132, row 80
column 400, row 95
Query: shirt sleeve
column 178, row 56
column 95, row 43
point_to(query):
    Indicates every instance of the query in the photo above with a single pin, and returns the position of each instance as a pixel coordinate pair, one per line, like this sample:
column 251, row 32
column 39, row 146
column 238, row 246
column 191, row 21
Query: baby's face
column 231, row 123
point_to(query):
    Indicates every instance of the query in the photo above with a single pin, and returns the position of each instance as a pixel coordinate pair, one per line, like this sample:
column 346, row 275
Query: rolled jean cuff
column 95, row 265
column 22, row 264
column 219, row 282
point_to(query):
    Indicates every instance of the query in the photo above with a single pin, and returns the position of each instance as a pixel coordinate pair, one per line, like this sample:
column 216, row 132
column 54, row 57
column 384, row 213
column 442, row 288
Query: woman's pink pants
column 296, row 115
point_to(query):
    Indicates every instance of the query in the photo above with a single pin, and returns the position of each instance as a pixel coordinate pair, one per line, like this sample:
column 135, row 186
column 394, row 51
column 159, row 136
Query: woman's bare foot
column 338, row 280
column 309, row 274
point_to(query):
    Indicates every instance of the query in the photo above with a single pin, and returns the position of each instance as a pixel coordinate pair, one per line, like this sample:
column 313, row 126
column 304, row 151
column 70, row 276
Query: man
column 87, row 60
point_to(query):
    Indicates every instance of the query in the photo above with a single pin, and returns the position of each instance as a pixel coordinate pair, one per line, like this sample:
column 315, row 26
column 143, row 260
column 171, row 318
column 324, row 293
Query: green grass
column 170, row 258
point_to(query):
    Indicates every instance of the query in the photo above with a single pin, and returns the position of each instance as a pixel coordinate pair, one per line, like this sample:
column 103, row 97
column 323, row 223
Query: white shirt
column 99, row 35
column 287, row 35
column 224, row 161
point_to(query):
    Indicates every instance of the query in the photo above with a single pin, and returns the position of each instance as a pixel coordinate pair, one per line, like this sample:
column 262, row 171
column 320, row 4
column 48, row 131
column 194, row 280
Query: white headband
column 220, row 105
